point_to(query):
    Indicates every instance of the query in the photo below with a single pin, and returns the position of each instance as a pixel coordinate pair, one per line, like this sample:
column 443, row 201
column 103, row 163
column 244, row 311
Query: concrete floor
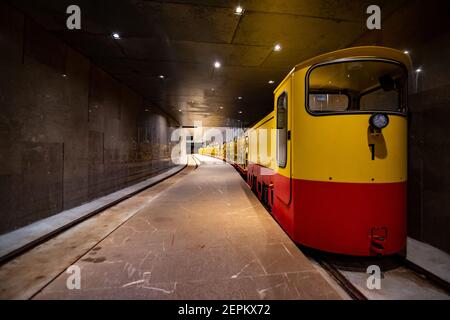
column 429, row 258
column 204, row 237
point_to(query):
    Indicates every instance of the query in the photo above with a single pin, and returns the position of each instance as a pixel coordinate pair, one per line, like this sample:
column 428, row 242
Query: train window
column 362, row 85
column 379, row 100
column 329, row 101
column 282, row 128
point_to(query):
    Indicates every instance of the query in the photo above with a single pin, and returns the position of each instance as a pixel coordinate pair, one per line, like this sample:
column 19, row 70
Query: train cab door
column 283, row 142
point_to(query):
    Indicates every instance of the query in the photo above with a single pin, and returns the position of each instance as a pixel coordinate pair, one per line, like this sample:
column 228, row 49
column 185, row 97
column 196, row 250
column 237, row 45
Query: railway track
column 413, row 281
column 29, row 246
column 343, row 282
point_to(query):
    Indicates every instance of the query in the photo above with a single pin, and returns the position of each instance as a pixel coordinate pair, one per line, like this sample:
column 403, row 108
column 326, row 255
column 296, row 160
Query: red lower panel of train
column 361, row 219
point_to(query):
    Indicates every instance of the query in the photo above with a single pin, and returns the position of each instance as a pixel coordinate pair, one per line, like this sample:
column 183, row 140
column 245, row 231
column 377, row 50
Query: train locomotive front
column 338, row 180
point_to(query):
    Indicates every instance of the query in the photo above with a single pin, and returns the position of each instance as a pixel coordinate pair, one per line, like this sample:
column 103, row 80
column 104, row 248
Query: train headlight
column 379, row 121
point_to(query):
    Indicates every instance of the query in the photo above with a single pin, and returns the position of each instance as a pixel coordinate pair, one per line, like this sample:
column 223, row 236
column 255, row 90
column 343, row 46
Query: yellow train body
column 332, row 178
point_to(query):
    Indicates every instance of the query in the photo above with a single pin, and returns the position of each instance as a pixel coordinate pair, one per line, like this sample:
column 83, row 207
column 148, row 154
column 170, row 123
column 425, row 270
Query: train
column 329, row 162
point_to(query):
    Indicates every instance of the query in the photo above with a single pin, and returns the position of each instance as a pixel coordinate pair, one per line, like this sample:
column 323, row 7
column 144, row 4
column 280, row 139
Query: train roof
column 365, row 51
column 261, row 121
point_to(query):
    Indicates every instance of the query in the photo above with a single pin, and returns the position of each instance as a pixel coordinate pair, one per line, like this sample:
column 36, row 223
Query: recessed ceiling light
column 406, row 52
column 239, row 10
column 161, row 76
column 240, row 98
column 277, row 47
column 217, row 64
column 271, row 82
column 116, row 35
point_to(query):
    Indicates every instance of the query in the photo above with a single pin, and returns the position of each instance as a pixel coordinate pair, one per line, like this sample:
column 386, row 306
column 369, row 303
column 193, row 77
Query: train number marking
column 372, row 150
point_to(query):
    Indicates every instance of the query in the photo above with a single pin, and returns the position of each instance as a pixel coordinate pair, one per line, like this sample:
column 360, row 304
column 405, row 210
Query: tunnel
column 212, row 150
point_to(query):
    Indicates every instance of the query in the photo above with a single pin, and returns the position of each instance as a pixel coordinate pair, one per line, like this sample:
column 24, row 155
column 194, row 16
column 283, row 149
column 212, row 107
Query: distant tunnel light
column 217, row 64
column 116, row 36
column 238, row 10
column 277, row 47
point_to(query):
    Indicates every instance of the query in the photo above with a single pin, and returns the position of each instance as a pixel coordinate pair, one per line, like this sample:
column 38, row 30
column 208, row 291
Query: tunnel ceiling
column 181, row 40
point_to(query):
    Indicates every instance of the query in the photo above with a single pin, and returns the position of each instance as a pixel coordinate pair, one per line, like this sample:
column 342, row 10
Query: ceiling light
column 116, row 36
column 161, row 76
column 240, row 112
column 238, row 10
column 271, row 82
column 221, row 108
column 217, row 64
column 64, row 75
column 277, row 47
column 240, row 98
column 406, row 52
column 179, row 110
column 419, row 70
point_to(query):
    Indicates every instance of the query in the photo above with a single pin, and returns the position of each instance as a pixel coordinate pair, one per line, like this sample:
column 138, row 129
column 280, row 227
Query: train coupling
column 378, row 236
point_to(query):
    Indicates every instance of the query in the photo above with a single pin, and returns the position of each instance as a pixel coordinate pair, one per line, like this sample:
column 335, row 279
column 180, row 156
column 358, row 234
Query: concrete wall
column 423, row 27
column 66, row 140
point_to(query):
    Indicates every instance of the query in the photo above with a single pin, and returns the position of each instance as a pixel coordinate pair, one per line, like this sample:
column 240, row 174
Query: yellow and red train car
column 330, row 160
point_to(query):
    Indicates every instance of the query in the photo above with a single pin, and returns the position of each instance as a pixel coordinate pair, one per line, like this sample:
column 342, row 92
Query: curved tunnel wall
column 70, row 133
